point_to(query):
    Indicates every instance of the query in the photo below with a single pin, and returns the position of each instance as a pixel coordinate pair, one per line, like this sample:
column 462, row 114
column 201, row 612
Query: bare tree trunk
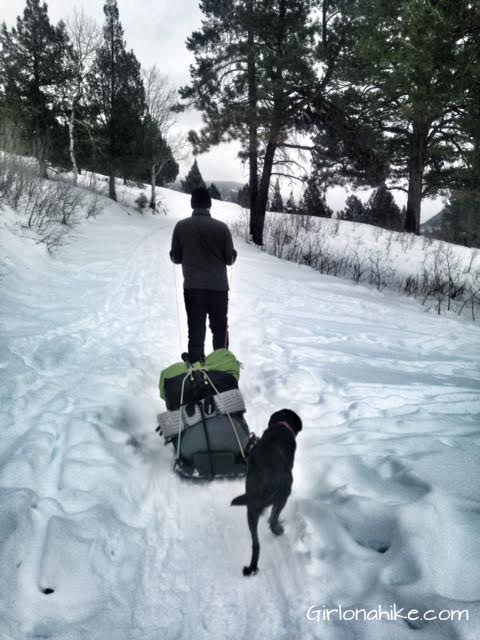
column 39, row 137
column 111, row 188
column 40, row 149
column 39, row 142
column 416, row 168
column 279, row 109
column 42, row 168
column 111, row 182
column 153, row 196
column 262, row 200
column 84, row 37
column 71, row 133
column 252, row 119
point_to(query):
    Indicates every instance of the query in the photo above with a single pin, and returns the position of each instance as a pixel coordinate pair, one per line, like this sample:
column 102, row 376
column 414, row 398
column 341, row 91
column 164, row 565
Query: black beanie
column 200, row 199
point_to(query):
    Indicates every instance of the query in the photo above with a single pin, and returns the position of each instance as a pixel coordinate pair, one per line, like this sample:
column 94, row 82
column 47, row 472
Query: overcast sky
column 157, row 30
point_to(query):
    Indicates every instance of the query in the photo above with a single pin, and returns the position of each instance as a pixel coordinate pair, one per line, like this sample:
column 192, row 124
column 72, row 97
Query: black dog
column 269, row 476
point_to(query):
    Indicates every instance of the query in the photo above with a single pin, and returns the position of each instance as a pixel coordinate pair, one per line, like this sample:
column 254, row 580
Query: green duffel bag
column 181, row 383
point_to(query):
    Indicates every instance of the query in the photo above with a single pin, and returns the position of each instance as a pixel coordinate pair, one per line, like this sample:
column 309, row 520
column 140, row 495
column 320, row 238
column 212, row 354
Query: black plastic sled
column 210, row 450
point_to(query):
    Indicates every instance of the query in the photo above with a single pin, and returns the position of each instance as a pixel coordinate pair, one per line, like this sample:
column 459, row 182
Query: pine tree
column 314, row 202
column 226, row 52
column 193, row 180
column 291, row 206
column 354, row 210
column 277, row 200
column 250, row 61
column 118, row 99
column 417, row 57
column 156, row 162
column 382, row 211
column 214, row 192
column 33, row 64
column 243, row 197
column 461, row 219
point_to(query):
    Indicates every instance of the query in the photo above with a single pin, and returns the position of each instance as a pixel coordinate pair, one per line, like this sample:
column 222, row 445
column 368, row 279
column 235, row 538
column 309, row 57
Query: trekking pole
column 178, row 308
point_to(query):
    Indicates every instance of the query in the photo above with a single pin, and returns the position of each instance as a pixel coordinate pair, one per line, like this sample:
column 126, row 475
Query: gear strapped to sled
column 204, row 418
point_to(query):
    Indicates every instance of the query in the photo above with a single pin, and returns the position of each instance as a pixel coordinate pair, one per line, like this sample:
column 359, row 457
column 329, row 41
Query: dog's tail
column 240, row 501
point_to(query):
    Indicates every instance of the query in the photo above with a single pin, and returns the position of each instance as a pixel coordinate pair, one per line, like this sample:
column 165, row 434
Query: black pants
column 199, row 303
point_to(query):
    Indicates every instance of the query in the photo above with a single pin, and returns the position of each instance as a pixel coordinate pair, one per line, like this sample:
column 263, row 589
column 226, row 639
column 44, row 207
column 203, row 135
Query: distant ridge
column 433, row 224
column 228, row 188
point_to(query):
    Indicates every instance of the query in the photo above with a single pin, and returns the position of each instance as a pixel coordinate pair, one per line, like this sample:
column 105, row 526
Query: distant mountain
column 228, row 188
column 433, row 224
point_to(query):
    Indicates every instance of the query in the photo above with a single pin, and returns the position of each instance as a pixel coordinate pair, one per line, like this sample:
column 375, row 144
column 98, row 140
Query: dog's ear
column 294, row 420
column 275, row 417
column 286, row 415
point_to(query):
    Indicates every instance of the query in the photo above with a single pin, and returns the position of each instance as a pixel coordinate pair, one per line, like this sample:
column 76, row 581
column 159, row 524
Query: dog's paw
column 248, row 571
column 276, row 528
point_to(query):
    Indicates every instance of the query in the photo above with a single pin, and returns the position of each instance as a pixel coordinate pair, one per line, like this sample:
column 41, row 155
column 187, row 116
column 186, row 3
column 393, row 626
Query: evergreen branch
column 288, row 175
column 296, row 146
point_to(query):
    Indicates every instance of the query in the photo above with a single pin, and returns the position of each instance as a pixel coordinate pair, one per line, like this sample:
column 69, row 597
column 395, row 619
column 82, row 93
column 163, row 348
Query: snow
column 443, row 276
column 99, row 539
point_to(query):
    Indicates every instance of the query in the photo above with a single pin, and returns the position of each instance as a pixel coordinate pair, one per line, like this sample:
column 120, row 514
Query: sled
column 205, row 420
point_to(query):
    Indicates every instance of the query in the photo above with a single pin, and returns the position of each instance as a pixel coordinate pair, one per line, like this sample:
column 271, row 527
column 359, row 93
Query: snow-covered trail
column 100, row 540
column 90, row 507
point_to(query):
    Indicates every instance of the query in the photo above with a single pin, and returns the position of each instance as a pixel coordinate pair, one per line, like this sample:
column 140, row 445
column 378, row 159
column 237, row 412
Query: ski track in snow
column 100, row 540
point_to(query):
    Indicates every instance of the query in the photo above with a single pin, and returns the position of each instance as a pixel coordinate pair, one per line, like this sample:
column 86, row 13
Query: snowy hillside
column 440, row 275
column 99, row 540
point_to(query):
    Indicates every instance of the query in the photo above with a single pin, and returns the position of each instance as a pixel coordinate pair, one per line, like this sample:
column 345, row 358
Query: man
column 204, row 248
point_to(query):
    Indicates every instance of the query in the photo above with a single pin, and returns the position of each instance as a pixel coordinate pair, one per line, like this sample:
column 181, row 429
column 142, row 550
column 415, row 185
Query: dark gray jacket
column 203, row 246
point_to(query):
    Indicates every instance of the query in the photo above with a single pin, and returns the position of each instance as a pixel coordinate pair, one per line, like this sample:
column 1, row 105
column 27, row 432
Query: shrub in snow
column 141, row 202
column 49, row 207
column 93, row 206
column 445, row 277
